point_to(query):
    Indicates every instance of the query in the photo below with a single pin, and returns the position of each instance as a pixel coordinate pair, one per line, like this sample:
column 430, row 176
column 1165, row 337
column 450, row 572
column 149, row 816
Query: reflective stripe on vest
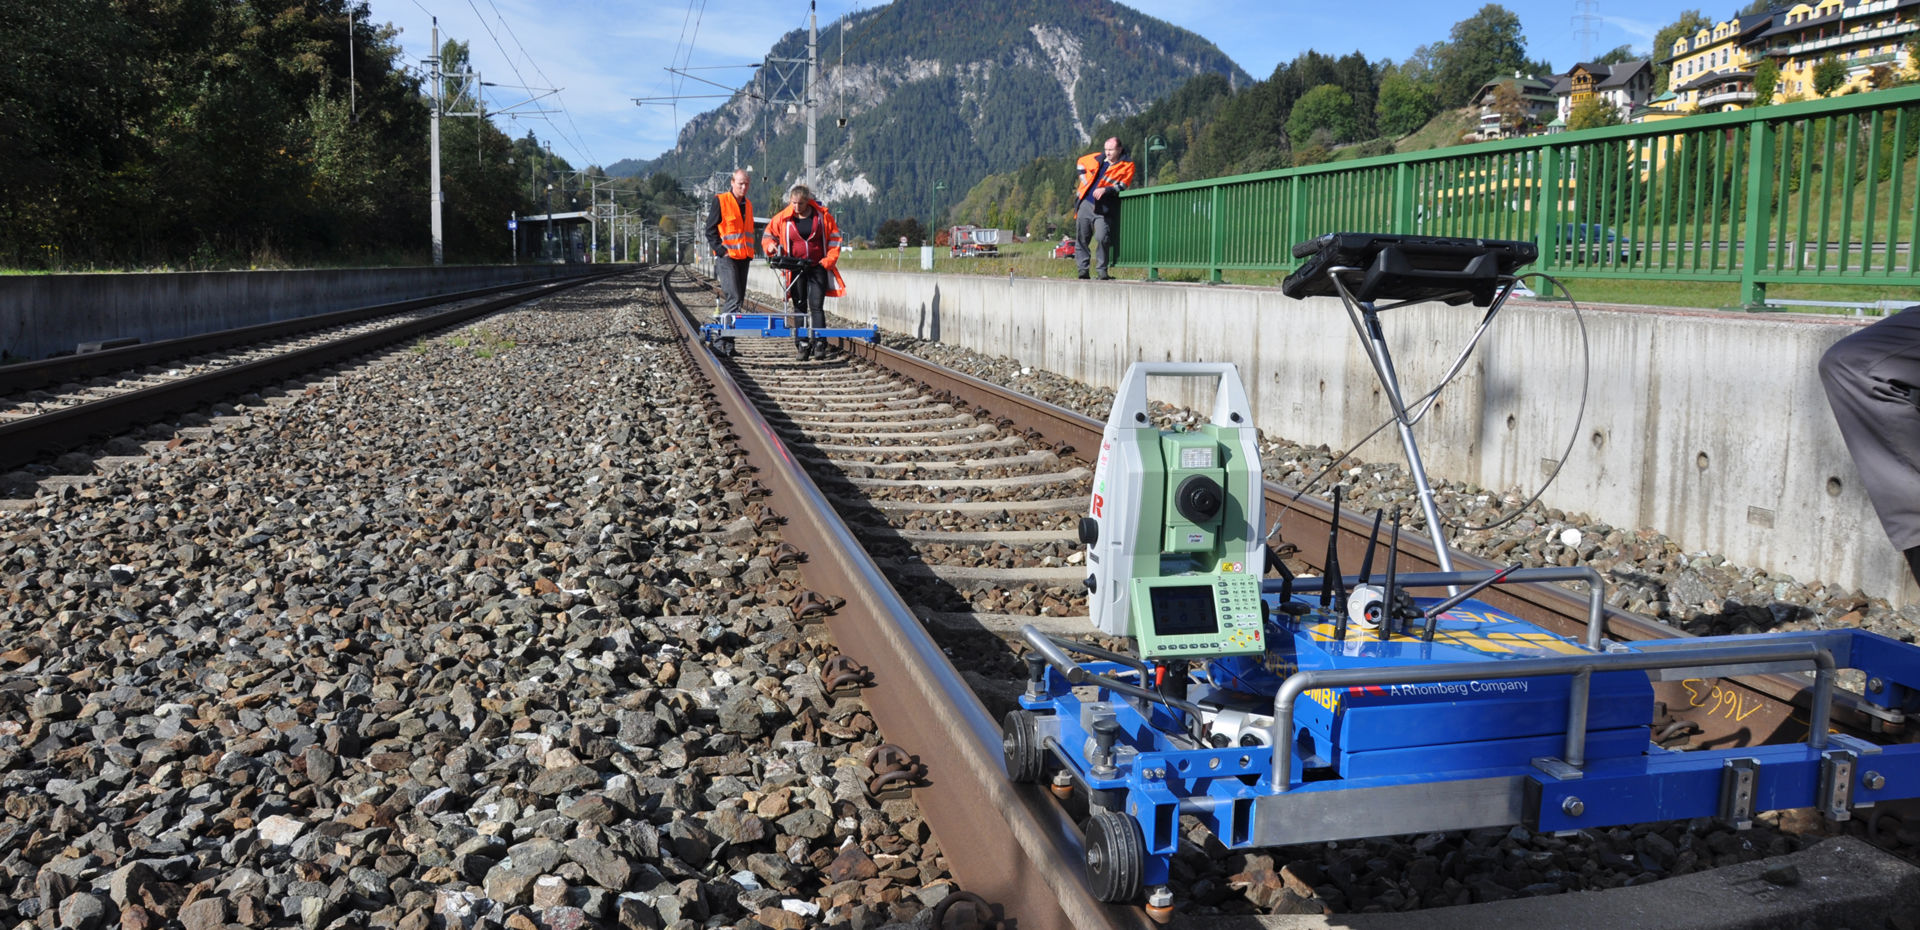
column 736, row 226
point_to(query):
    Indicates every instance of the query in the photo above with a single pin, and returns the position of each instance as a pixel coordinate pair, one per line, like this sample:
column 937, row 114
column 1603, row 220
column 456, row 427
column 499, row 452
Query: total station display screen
column 1184, row 610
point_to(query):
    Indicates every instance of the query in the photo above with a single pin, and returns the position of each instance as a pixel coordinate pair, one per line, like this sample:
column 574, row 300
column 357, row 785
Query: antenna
column 1586, row 25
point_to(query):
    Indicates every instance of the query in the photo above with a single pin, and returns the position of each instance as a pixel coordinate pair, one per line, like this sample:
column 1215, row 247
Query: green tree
column 1486, row 44
column 1828, row 75
column 1690, row 22
column 1510, row 106
column 1766, row 80
column 1324, row 108
column 1622, row 53
column 1403, row 106
column 1592, row 113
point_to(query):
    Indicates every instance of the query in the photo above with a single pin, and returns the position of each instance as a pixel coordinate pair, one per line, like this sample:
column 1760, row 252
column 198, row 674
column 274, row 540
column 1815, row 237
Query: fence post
column 1153, row 236
column 1216, row 243
column 1296, row 212
column 1403, row 199
column 1759, row 218
column 1545, row 206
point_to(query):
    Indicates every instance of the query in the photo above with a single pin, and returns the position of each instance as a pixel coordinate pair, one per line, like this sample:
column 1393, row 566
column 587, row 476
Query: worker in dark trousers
column 1099, row 179
column 807, row 232
column 730, row 234
column 1873, row 385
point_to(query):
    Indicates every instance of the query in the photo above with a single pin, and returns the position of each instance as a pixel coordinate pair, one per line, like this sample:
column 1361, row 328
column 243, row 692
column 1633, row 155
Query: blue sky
column 602, row 54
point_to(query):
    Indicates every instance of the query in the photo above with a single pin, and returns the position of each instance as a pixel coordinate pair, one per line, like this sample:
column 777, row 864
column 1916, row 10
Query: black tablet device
column 1391, row 267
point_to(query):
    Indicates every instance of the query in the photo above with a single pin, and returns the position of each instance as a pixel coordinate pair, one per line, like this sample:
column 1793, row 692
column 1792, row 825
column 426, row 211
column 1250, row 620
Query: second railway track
column 59, row 403
column 964, row 496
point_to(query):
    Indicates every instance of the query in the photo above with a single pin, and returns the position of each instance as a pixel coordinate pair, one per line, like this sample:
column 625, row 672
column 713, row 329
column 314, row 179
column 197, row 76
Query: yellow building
column 1868, row 37
column 1712, row 70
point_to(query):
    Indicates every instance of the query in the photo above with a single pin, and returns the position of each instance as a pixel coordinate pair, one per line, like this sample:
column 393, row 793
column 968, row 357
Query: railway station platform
column 1708, row 425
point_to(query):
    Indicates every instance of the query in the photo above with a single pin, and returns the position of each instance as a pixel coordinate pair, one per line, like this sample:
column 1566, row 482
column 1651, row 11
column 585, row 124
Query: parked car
column 1065, row 248
column 1593, row 242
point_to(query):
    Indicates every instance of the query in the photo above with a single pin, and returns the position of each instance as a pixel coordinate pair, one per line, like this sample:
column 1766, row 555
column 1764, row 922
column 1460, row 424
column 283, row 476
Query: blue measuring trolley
column 719, row 334
column 1283, row 710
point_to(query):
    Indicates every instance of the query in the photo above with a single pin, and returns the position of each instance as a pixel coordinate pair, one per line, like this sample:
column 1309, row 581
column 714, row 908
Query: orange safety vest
column 736, row 226
column 1119, row 175
column 781, row 237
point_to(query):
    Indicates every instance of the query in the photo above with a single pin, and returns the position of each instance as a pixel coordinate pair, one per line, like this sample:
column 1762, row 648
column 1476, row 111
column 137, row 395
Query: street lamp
column 1154, row 143
column 938, row 186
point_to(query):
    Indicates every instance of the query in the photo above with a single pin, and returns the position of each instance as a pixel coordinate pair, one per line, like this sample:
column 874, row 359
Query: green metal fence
column 1820, row 192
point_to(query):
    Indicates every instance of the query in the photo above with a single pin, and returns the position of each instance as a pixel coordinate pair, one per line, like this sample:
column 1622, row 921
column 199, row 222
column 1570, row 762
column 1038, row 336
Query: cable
column 1580, row 415
column 577, row 140
column 1586, row 365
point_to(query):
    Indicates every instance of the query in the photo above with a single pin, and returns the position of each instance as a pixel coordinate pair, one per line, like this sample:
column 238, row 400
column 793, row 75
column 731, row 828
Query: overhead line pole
column 435, row 196
column 813, row 69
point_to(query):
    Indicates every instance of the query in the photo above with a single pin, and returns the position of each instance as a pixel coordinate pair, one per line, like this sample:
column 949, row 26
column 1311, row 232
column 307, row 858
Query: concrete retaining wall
column 1709, row 427
column 44, row 315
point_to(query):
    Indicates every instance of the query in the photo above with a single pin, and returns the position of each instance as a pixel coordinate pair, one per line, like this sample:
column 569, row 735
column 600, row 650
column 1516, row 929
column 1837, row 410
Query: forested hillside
column 938, row 95
column 1306, row 111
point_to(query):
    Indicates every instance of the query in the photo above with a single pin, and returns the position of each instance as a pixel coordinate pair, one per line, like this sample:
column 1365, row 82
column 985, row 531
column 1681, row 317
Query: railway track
column 56, row 404
column 946, row 506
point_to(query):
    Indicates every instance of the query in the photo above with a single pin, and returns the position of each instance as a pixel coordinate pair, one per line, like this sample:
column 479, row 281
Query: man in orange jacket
column 806, row 231
column 729, row 232
column 1102, row 176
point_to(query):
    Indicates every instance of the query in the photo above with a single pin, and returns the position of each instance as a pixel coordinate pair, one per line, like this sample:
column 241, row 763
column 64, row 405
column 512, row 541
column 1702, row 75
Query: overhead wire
column 578, row 140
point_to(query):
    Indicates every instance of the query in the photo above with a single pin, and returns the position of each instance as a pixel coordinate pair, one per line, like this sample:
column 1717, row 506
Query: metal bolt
column 1874, row 781
column 1160, row 897
column 1573, row 807
column 1875, row 685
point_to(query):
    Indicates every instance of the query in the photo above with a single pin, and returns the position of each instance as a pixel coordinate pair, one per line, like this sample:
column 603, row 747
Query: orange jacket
column 1118, row 176
column 736, row 226
column 781, row 238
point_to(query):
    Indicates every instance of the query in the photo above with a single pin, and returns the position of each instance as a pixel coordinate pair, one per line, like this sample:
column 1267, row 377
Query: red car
column 1065, row 248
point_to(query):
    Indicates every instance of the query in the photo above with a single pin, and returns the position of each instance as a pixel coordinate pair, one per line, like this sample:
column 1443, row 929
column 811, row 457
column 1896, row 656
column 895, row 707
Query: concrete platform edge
column 1843, row 882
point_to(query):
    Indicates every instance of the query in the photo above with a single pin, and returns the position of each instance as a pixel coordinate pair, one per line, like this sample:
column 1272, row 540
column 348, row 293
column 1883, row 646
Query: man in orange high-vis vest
column 807, row 232
column 730, row 234
column 1101, row 176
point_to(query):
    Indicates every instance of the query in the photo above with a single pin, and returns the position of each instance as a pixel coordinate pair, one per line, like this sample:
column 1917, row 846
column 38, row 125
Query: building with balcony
column 1513, row 106
column 1712, row 70
column 1868, row 37
column 1625, row 86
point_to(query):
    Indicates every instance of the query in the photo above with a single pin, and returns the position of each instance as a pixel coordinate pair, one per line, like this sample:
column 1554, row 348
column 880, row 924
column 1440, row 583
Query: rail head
column 1028, row 858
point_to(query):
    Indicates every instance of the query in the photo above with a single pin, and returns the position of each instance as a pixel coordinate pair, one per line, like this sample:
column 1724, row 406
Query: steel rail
column 1008, row 843
column 1760, row 708
column 23, row 376
column 28, row 439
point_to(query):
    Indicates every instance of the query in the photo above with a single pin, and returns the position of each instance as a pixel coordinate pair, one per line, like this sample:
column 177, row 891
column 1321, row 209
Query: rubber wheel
column 1116, row 857
column 1026, row 755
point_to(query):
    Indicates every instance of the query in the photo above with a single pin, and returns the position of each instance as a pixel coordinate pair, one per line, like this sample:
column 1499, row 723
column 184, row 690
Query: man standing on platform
column 730, row 234
column 1873, row 385
column 1102, row 176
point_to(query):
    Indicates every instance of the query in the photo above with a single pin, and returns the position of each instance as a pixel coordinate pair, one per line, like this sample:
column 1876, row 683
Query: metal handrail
column 1709, row 197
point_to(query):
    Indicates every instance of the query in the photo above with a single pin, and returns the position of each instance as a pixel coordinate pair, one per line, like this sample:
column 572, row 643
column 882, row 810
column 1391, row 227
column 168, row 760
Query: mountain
column 932, row 96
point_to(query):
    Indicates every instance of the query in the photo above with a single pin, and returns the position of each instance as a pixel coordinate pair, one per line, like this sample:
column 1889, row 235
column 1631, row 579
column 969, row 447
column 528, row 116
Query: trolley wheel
column 1116, row 857
column 726, row 347
column 1026, row 755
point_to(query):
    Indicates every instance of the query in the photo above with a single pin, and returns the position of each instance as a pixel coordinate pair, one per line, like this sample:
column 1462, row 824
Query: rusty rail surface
column 1008, row 843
